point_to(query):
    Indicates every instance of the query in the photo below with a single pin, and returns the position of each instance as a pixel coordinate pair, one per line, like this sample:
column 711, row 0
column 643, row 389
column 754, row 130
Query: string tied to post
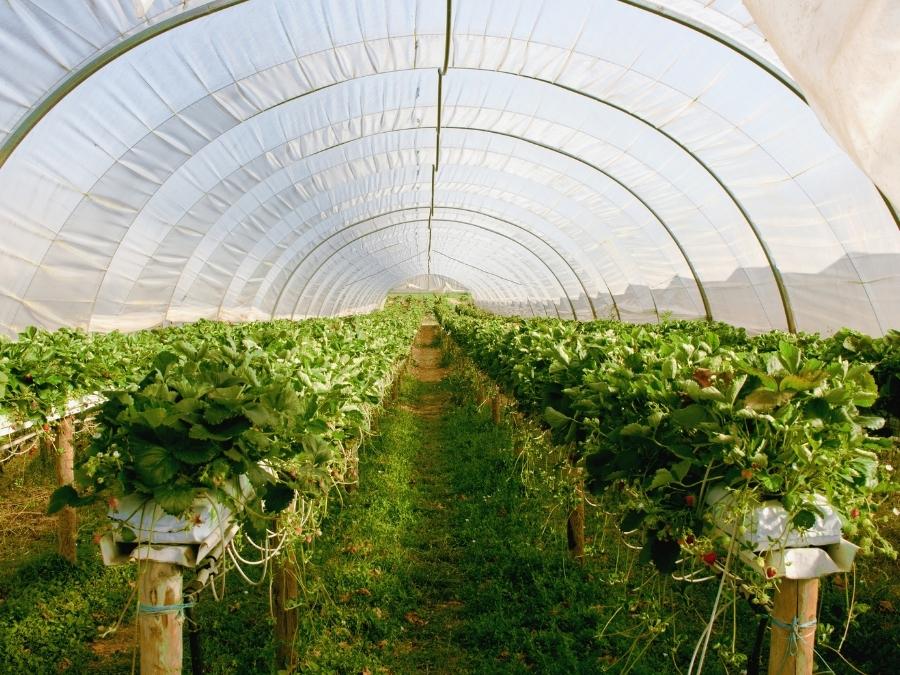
column 794, row 628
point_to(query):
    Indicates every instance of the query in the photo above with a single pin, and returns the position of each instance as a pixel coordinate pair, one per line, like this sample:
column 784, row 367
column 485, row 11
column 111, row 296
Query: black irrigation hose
column 194, row 642
column 756, row 655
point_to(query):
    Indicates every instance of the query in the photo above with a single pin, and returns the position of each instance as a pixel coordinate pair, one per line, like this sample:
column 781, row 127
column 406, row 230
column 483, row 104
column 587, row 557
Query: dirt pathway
column 430, row 543
column 425, row 369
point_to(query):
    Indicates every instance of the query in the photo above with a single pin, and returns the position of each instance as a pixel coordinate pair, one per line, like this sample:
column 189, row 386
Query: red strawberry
column 690, row 500
column 746, row 474
column 771, row 572
column 703, row 377
column 112, row 503
column 709, row 557
column 854, row 513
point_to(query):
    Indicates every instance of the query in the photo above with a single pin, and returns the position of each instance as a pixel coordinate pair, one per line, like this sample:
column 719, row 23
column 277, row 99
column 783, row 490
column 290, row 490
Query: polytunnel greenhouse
column 406, row 336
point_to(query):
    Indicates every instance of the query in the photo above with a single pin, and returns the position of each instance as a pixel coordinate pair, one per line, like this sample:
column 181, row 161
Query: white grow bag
column 155, row 535
column 791, row 553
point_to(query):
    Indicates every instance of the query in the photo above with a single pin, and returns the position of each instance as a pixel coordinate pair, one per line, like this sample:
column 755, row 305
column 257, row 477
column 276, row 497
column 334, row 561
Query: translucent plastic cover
column 165, row 161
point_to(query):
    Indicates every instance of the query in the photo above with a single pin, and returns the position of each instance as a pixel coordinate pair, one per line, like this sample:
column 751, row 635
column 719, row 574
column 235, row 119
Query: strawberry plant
column 662, row 413
column 274, row 402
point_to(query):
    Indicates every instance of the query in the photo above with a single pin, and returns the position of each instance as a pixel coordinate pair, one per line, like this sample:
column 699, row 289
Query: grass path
column 434, row 565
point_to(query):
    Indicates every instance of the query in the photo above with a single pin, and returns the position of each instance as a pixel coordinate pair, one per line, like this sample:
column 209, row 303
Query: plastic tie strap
column 793, row 628
column 163, row 609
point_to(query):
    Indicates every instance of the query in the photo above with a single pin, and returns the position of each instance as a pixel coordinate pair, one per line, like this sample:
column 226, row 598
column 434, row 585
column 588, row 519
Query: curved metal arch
column 707, row 309
column 80, row 75
column 488, row 272
column 486, row 284
column 454, row 208
column 495, row 294
column 25, row 125
column 701, row 290
column 361, row 294
column 741, row 209
column 386, row 227
column 547, row 243
column 699, row 284
column 75, row 77
column 776, row 272
column 718, row 36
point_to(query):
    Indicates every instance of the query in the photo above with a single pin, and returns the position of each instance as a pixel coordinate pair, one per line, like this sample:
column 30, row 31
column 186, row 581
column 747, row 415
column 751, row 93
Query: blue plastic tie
column 793, row 628
column 163, row 609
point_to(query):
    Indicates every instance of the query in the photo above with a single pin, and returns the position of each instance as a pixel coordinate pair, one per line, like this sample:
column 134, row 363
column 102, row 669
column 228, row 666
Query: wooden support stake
column 352, row 477
column 287, row 616
column 791, row 650
column 160, row 633
column 575, row 525
column 65, row 475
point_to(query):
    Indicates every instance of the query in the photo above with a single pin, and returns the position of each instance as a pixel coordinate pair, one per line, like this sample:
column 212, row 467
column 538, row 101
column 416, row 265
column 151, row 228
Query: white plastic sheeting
column 846, row 55
column 277, row 158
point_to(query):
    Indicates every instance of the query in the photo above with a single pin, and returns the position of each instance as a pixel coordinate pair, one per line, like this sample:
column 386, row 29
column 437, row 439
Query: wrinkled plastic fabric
column 846, row 55
column 276, row 158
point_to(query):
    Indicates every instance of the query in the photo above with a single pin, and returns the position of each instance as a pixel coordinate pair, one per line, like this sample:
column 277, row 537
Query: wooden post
column 287, row 617
column 66, row 528
column 791, row 649
column 575, row 526
column 352, row 477
column 495, row 409
column 159, row 584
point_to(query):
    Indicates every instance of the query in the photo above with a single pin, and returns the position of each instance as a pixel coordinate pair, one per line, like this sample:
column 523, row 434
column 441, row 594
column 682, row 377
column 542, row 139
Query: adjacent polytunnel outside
column 242, row 159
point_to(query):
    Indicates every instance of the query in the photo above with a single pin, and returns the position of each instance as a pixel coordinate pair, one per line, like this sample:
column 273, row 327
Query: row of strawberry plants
column 275, row 402
column 662, row 414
